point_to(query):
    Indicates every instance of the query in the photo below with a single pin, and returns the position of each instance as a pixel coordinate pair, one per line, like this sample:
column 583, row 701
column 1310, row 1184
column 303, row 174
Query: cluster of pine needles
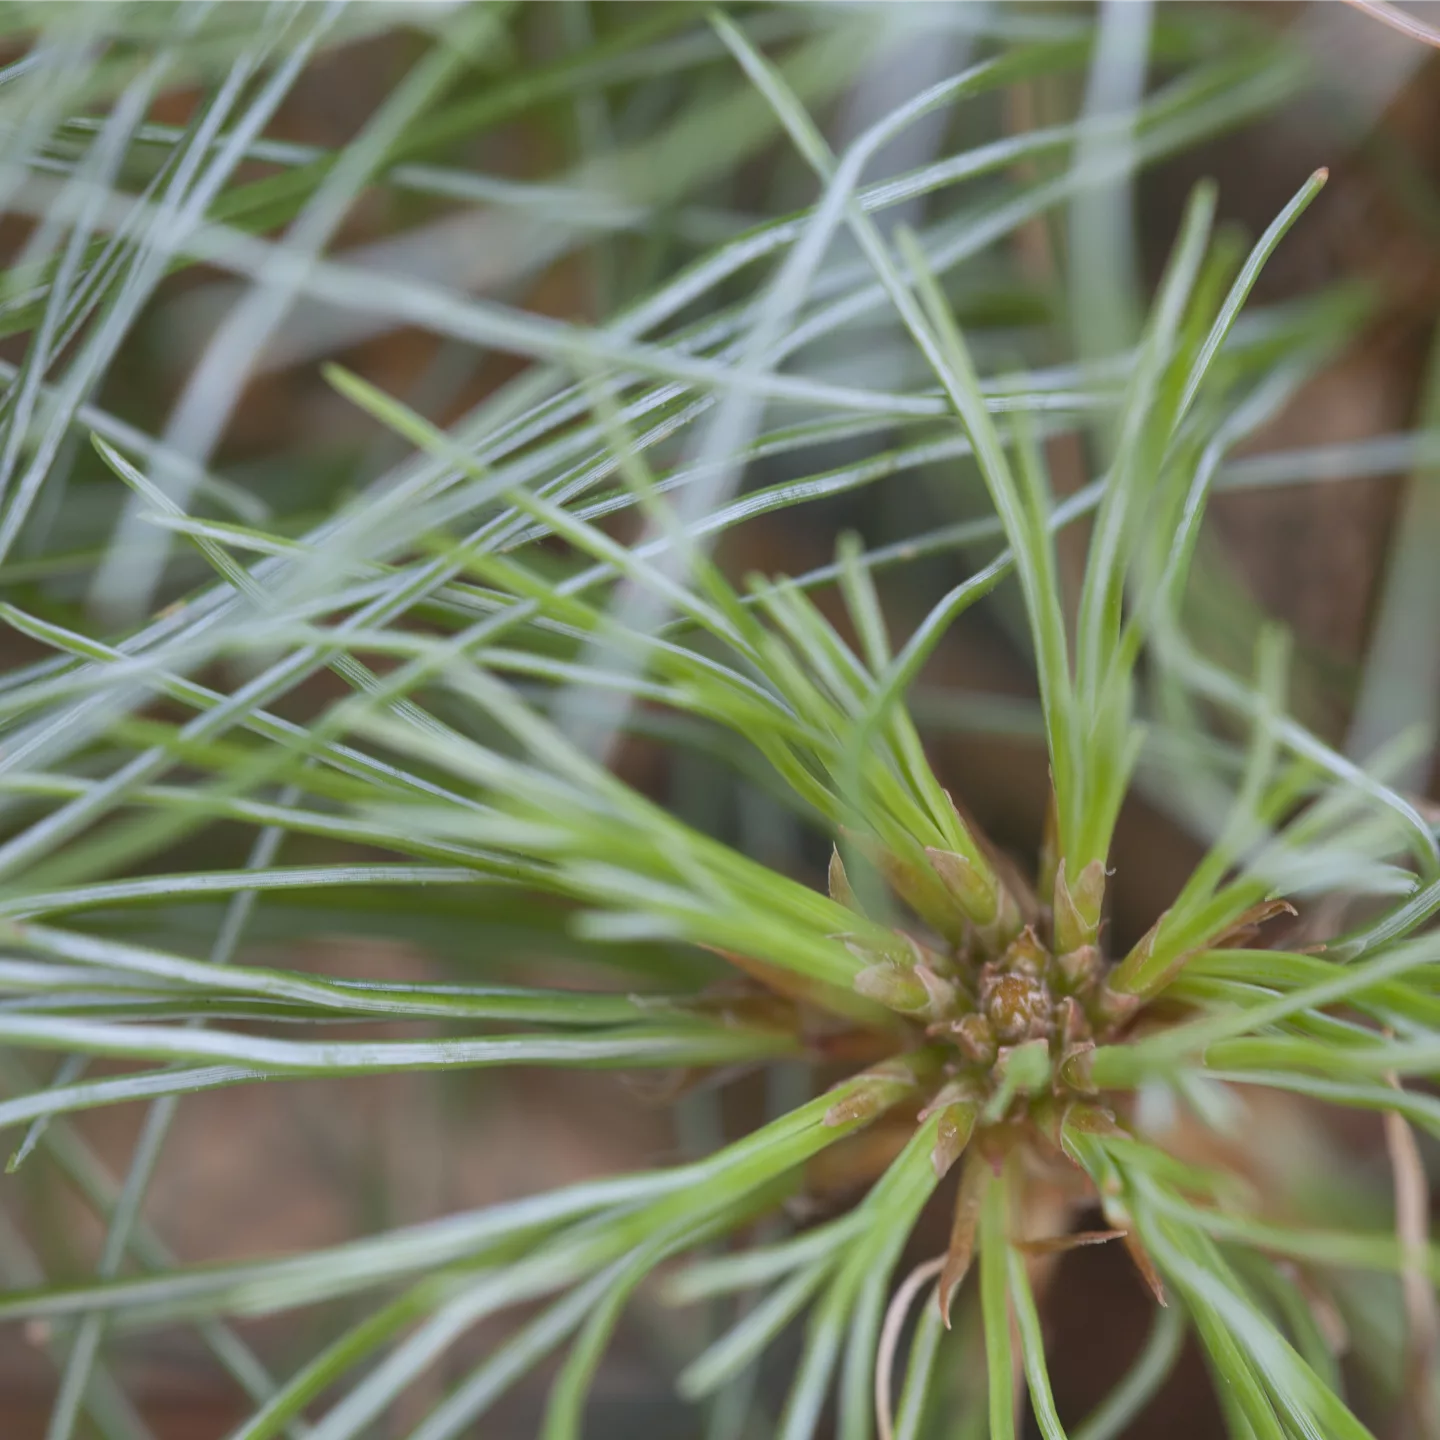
column 527, row 589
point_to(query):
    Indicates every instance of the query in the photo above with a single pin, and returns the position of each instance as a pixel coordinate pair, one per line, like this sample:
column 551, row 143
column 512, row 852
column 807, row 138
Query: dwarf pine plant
column 397, row 671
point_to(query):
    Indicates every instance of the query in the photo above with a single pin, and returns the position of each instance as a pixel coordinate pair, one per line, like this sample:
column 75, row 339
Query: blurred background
column 578, row 207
